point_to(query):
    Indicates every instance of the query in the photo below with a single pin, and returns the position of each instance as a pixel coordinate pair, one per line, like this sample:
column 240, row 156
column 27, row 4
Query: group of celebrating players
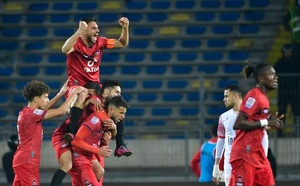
column 96, row 114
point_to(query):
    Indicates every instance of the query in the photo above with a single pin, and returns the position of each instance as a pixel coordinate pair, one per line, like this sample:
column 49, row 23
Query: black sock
column 58, row 177
column 120, row 134
column 75, row 114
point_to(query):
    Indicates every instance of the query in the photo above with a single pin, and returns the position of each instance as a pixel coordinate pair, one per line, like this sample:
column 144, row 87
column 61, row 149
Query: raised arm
column 124, row 37
column 68, row 46
column 62, row 110
column 60, row 94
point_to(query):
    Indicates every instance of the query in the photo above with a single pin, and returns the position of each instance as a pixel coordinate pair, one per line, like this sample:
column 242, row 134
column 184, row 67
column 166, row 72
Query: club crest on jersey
column 38, row 111
column 250, row 102
column 94, row 120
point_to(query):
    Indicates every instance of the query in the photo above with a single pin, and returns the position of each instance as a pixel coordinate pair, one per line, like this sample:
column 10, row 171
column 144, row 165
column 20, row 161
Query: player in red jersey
column 250, row 165
column 61, row 147
column 87, row 144
column 26, row 160
column 84, row 51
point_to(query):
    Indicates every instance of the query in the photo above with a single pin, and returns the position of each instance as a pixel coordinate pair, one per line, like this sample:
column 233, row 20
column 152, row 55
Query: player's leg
column 27, row 174
column 121, row 148
column 227, row 171
column 264, row 176
column 75, row 114
column 65, row 162
column 87, row 175
column 242, row 173
column 64, row 156
column 97, row 169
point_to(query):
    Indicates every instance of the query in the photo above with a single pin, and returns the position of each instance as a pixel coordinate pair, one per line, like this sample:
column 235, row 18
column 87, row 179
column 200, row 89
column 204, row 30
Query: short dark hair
column 93, row 85
column 236, row 88
column 118, row 101
column 88, row 19
column 35, row 88
column 109, row 84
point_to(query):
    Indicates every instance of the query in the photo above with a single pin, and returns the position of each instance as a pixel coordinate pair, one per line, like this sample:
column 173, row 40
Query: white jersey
column 226, row 131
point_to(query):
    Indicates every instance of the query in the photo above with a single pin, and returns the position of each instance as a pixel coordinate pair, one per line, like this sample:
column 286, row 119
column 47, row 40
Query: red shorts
column 59, row 144
column 82, row 172
column 243, row 173
column 26, row 174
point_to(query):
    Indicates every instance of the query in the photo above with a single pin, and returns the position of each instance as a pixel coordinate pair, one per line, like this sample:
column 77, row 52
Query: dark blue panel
column 229, row 16
column 61, row 6
column 161, row 111
column 32, row 58
column 190, row 43
column 172, row 97
column 142, row 31
column 136, row 5
column 205, row 16
column 185, row 4
column 212, row 56
column 195, row 30
column 161, row 5
column 187, row 56
column 238, row 55
column 87, row 6
column 156, row 70
column 38, row 6
column 161, row 57
column 177, row 84
column 130, row 70
column 54, row 70
column 147, row 97
column 189, row 111
column 209, row 69
column 182, row 69
column 152, row 84
column 222, row 29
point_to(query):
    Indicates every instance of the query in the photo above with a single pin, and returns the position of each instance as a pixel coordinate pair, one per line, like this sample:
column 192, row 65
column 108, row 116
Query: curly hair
column 256, row 69
column 35, row 88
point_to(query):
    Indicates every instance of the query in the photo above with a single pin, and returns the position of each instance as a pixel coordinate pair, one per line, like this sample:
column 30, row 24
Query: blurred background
column 181, row 56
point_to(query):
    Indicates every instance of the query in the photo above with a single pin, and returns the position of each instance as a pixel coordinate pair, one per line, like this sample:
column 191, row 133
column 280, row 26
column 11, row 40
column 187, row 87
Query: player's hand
column 82, row 26
column 97, row 103
column 104, row 151
column 276, row 122
column 216, row 174
column 64, row 88
column 80, row 89
column 124, row 22
column 106, row 137
column 109, row 124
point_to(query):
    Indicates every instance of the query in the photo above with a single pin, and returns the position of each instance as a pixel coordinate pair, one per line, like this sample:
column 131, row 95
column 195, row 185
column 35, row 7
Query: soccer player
column 26, row 160
column 87, row 141
column 203, row 161
column 248, row 159
column 84, row 51
column 61, row 147
column 233, row 97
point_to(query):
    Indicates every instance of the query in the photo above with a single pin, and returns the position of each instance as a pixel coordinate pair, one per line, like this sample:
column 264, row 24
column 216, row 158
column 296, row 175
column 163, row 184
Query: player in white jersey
column 233, row 97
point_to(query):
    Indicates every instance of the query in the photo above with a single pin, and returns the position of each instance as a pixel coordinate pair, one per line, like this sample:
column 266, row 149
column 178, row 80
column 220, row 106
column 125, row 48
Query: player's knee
column 66, row 166
column 99, row 173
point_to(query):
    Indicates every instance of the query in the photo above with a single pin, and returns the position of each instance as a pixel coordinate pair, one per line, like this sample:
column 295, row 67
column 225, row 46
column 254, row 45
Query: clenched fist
column 124, row 22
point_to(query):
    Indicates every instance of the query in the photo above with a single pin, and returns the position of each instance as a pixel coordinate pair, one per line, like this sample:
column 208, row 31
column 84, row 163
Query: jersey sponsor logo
column 94, row 120
column 250, row 102
column 38, row 111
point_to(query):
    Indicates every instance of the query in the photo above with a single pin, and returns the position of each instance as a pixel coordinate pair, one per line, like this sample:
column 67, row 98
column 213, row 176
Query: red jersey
column 94, row 123
column 83, row 63
column 30, row 133
column 247, row 145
